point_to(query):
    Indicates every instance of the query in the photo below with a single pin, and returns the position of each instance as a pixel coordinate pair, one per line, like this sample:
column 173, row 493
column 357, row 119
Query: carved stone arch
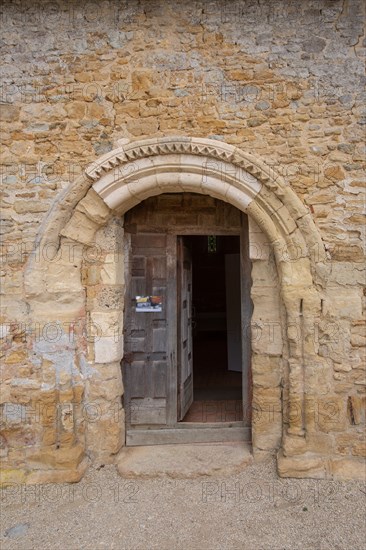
column 137, row 170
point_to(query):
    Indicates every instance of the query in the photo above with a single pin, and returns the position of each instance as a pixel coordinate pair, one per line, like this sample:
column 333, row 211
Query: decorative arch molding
column 134, row 171
column 139, row 169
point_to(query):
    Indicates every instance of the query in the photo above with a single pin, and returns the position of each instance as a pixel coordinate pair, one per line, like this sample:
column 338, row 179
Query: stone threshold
column 184, row 461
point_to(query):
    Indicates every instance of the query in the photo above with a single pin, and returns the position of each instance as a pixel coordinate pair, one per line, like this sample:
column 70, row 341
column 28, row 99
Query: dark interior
column 216, row 390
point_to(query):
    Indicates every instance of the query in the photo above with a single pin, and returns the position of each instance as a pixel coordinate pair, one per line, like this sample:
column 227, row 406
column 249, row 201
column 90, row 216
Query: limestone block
column 9, row 113
column 27, row 206
column 347, row 252
column 94, row 207
column 345, row 442
column 49, row 436
column 34, row 284
column 310, row 406
column 45, row 476
column 109, row 238
column 294, row 297
column 105, row 371
column 63, row 277
column 333, row 336
column 359, row 448
column 294, row 445
column 311, row 305
column 5, row 393
column 168, row 182
column 80, row 228
column 266, row 304
column 267, row 437
column 295, row 247
column 106, row 324
column 66, row 437
column 60, row 458
column 67, row 307
column 347, row 468
column 105, row 435
column 358, row 340
column 259, row 246
column 107, row 350
column 266, row 337
column 108, row 298
column 9, row 476
column 357, row 409
column 13, row 414
column 264, row 274
column 112, row 270
column 16, row 357
column 104, row 389
column 212, row 187
column 285, row 220
column 345, row 273
column 331, row 414
column 106, row 333
column 294, row 412
column 265, row 401
column 241, row 198
column 305, row 466
column 13, row 308
column 268, row 197
column 312, row 237
column 143, row 187
column 145, row 127
column 266, row 370
column 320, row 443
column 90, row 275
column 343, row 302
column 121, row 198
column 264, row 222
column 318, row 376
column 295, row 272
column 359, row 376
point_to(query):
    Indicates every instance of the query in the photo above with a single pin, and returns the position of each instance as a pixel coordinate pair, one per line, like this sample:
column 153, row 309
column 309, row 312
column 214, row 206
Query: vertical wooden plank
column 128, row 267
column 179, row 368
column 171, row 316
column 184, row 340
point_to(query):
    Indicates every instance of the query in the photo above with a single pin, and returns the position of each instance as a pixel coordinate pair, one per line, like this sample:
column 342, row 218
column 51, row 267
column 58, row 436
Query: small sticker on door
column 145, row 304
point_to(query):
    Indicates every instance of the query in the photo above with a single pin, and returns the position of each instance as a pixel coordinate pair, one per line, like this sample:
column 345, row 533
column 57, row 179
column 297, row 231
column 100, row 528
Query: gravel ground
column 253, row 510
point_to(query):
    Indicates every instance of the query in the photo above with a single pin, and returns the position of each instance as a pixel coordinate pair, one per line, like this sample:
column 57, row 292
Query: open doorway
column 211, row 376
column 181, row 364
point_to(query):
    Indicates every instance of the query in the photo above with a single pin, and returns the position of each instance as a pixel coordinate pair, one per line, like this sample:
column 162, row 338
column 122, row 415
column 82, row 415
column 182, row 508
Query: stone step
column 184, row 461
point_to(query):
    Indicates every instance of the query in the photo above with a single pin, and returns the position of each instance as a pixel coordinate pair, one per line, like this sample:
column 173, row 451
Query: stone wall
column 280, row 80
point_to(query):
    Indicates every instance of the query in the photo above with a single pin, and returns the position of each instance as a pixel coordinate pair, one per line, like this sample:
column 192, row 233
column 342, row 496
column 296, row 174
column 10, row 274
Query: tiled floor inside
column 217, row 391
column 215, row 411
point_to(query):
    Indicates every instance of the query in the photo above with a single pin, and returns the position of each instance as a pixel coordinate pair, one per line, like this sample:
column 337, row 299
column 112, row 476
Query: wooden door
column 148, row 356
column 185, row 346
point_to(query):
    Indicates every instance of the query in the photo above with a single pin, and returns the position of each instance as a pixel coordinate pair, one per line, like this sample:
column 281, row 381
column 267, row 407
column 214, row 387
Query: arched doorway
column 186, row 364
column 87, row 220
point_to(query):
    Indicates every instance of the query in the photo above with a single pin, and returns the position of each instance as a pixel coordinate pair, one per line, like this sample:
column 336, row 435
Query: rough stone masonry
column 259, row 104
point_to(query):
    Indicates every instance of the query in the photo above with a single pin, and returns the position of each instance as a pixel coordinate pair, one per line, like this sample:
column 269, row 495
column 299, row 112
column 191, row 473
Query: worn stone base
column 317, row 467
column 183, row 461
column 22, row 476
